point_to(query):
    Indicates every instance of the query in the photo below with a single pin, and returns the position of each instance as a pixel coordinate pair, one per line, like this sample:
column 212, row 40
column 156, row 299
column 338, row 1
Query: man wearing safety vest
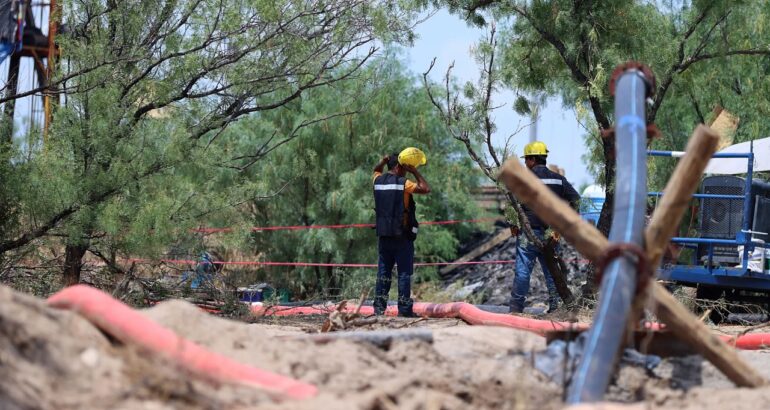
column 535, row 154
column 397, row 225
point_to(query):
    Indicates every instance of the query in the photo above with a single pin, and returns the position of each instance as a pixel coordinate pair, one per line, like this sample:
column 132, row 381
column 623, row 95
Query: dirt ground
column 55, row 359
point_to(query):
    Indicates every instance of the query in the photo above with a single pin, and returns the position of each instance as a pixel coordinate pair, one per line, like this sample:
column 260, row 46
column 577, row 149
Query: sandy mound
column 52, row 359
column 477, row 367
column 56, row 359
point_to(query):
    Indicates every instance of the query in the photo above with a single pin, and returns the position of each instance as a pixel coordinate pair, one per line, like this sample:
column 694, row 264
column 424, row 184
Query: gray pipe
column 604, row 339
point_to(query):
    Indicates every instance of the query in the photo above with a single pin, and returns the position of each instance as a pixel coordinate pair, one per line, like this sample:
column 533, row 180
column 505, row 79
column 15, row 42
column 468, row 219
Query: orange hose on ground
column 753, row 341
column 476, row 316
column 131, row 327
column 459, row 310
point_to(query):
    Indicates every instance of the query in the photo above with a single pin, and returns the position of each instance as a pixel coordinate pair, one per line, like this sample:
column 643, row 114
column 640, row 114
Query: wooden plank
column 690, row 330
column 725, row 124
column 530, row 190
column 478, row 251
column 664, row 222
column 663, row 225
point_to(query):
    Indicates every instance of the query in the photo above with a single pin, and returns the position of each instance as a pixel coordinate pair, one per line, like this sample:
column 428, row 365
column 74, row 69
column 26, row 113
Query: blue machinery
column 708, row 272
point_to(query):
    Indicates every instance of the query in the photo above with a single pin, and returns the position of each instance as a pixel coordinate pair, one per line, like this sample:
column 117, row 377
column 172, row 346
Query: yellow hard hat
column 535, row 148
column 412, row 156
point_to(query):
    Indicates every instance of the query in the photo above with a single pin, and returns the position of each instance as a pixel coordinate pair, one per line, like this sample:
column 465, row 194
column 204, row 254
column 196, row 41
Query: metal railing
column 743, row 237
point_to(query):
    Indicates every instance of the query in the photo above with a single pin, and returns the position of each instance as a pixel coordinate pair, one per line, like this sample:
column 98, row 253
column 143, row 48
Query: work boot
column 408, row 314
column 515, row 309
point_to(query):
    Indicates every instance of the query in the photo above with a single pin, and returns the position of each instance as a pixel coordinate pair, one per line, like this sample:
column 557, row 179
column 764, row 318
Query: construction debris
column 491, row 284
column 339, row 319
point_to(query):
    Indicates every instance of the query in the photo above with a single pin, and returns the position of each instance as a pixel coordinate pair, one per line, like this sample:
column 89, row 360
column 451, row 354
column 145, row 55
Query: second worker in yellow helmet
column 535, row 154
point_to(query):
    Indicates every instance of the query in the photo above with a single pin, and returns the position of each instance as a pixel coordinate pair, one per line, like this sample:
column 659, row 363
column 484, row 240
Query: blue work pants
column 526, row 254
column 400, row 252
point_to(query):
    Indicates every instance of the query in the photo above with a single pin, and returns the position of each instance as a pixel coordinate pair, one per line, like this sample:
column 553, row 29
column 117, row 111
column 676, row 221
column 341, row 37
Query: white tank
column 593, row 191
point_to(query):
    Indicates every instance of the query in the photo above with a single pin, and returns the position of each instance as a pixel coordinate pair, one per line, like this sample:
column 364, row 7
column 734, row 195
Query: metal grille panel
column 721, row 218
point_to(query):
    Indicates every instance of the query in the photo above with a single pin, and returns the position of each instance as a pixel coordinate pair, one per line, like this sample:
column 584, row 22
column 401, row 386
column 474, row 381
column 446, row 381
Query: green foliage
column 704, row 53
column 134, row 156
column 521, row 105
column 325, row 176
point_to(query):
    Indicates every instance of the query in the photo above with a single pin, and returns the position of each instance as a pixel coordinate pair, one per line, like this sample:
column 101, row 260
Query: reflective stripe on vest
column 389, row 187
column 552, row 181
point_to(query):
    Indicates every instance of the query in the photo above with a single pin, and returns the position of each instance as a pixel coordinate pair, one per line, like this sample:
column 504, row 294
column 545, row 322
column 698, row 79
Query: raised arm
column 381, row 165
column 422, row 184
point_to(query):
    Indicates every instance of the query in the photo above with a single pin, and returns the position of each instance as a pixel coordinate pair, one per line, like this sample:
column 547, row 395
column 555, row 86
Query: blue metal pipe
column 733, row 155
column 618, row 287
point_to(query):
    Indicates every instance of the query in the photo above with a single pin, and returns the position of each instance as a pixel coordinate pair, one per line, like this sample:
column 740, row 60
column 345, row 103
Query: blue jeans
column 394, row 251
column 526, row 253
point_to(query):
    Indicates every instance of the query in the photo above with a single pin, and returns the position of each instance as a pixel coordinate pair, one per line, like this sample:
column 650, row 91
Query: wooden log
column 528, row 189
column 664, row 222
column 558, row 272
column 591, row 243
column 688, row 328
column 663, row 225
column 678, row 192
column 478, row 251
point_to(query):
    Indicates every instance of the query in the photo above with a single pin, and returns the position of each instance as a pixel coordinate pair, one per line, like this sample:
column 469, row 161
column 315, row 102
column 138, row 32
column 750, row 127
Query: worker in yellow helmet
column 397, row 225
column 535, row 154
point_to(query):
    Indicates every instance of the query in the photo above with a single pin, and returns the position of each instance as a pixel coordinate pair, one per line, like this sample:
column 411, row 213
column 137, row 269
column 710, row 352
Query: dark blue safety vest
column 559, row 186
column 392, row 219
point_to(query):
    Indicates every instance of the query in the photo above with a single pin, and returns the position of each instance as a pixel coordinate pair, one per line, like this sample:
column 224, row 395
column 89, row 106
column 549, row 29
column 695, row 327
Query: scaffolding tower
column 27, row 93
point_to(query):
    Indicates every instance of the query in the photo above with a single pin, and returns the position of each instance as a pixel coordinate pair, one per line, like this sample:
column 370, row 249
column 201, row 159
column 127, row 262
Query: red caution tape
column 131, row 327
column 302, row 264
column 338, row 226
column 332, row 265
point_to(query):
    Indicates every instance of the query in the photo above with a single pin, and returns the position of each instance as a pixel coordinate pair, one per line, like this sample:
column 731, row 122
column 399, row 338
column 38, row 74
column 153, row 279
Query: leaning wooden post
column 664, row 222
column 591, row 243
column 678, row 192
column 663, row 225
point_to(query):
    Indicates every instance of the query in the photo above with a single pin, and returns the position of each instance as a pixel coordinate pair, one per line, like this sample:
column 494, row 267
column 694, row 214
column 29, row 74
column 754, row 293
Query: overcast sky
column 448, row 38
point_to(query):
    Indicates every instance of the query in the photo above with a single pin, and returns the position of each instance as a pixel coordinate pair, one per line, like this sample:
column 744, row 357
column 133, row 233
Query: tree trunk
column 555, row 265
column 319, row 285
column 332, row 286
column 73, row 264
column 605, row 218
